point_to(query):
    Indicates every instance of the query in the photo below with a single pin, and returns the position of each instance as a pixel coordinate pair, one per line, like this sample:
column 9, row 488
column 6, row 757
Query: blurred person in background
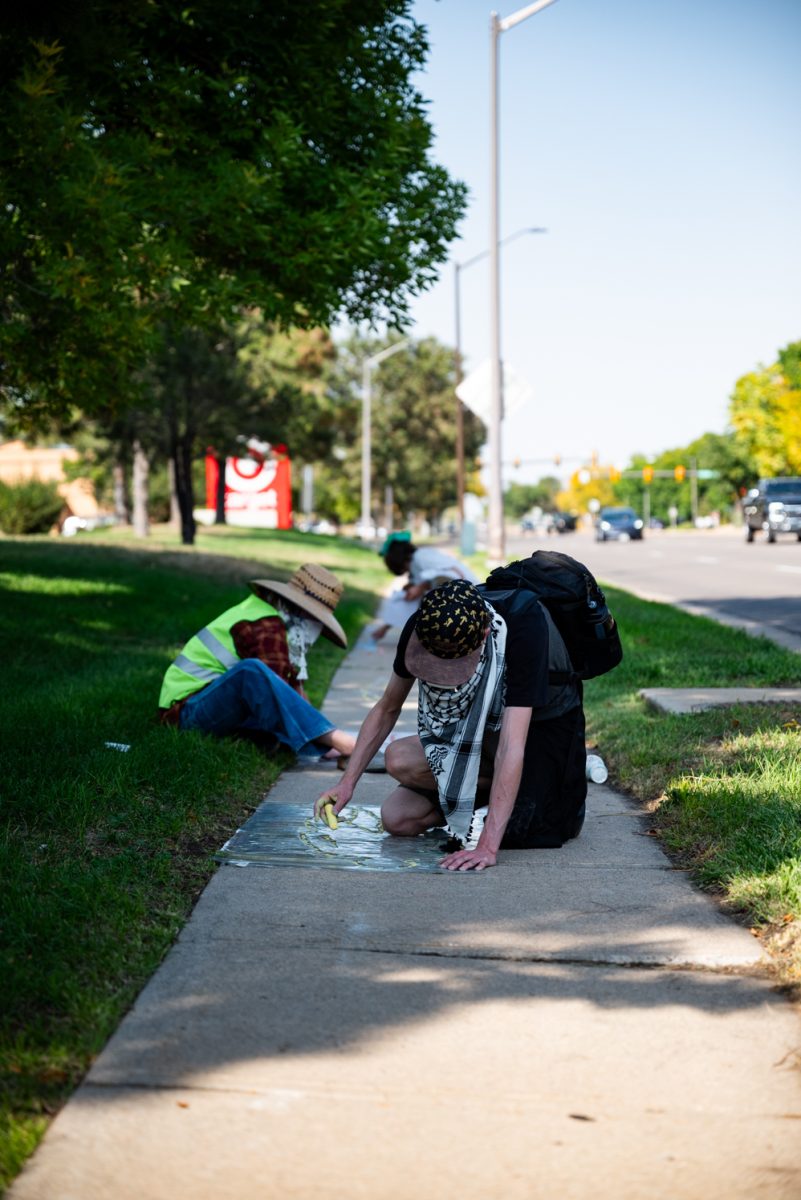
column 426, row 567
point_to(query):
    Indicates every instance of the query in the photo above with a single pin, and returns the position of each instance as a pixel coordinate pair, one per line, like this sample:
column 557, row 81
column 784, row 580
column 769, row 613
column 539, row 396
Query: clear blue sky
column 660, row 143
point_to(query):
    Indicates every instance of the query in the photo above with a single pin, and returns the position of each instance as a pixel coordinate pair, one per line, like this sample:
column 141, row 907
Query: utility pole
column 496, row 541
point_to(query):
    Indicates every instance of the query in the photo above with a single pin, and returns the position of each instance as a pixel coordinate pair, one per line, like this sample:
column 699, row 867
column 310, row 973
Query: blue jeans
column 249, row 696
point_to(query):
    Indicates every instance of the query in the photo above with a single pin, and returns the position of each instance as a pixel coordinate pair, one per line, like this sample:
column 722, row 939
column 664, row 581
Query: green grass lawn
column 102, row 853
column 724, row 785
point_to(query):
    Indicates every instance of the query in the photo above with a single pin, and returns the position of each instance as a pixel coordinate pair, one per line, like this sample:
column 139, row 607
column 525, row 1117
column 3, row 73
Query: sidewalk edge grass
column 103, row 854
column 723, row 787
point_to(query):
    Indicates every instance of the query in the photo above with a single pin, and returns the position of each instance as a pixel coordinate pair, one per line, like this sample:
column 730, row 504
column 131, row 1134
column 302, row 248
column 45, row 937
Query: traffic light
column 678, row 473
column 647, row 474
column 614, row 475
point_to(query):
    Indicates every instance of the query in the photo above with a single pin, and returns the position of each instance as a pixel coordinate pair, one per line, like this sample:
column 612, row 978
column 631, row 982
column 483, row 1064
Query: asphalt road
column 711, row 572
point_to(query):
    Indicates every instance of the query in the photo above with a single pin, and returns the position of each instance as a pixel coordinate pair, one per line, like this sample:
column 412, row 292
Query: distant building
column 19, row 462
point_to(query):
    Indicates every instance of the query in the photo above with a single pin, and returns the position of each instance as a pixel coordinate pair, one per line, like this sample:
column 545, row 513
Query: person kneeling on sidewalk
column 243, row 673
column 493, row 729
column 426, row 566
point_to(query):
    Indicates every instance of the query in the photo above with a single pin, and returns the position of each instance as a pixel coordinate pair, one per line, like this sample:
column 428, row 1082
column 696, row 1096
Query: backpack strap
column 521, row 595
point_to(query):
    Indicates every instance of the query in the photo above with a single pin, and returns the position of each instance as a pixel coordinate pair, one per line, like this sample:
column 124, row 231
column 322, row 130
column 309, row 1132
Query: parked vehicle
column 775, row 506
column 618, row 524
column 548, row 522
column 565, row 522
column 71, row 525
column 537, row 521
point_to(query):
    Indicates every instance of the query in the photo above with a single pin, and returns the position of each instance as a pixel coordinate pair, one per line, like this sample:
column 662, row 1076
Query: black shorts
column 550, row 805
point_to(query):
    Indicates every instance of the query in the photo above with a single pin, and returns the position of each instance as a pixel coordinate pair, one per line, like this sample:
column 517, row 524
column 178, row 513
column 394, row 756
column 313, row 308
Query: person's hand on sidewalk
column 340, row 795
column 477, row 859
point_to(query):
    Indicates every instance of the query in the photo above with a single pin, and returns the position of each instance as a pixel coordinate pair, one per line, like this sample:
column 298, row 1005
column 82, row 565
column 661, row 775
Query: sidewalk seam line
column 749, row 969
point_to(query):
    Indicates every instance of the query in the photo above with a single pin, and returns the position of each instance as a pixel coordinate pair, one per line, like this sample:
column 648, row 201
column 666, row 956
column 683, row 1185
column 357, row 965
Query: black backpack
column 575, row 602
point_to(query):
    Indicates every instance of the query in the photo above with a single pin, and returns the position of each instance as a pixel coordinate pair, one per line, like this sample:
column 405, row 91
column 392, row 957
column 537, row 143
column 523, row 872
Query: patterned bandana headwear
column 301, row 634
column 449, row 634
column 452, row 620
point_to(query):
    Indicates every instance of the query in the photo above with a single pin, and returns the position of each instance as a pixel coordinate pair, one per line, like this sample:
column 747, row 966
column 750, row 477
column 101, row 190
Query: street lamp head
column 509, row 238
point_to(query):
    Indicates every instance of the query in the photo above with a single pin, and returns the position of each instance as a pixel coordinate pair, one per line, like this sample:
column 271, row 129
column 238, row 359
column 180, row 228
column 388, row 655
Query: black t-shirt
column 532, row 645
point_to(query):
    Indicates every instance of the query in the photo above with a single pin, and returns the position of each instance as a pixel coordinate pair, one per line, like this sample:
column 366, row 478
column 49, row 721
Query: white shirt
column 429, row 563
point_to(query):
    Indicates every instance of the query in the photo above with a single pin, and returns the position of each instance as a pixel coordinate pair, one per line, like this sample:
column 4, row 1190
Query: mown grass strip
column 103, row 853
column 725, row 785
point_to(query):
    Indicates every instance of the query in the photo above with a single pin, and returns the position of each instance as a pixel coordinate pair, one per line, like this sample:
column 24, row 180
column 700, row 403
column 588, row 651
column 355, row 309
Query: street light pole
column 495, row 529
column 457, row 269
column 367, row 402
column 459, row 409
column 495, row 532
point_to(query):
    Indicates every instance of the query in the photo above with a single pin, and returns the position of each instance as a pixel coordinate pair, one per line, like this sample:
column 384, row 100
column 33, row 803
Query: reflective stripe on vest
column 206, row 656
column 215, row 646
column 205, row 673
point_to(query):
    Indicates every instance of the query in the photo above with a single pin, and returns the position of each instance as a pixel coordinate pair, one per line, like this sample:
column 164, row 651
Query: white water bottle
column 596, row 769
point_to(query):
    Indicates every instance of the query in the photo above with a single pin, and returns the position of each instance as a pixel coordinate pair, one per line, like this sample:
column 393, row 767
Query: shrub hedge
column 31, row 506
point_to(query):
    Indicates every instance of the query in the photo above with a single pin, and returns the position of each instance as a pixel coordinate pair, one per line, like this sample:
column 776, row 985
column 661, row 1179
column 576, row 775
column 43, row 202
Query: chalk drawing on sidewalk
column 287, row 835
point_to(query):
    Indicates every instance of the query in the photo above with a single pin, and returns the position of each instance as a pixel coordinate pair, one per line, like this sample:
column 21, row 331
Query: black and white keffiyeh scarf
column 452, row 722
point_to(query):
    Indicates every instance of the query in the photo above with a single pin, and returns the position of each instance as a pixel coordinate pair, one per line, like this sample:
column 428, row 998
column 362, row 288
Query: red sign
column 257, row 494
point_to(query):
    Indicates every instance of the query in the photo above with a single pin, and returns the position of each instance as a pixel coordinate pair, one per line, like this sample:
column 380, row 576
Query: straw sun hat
column 312, row 589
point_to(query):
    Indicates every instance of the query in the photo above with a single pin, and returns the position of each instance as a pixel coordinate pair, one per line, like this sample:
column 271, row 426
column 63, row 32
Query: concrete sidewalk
column 574, row 1023
column 691, row 700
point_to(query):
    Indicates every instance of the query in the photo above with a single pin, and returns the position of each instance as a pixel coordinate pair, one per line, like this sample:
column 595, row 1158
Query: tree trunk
column 141, row 473
column 121, row 513
column 182, row 462
column 175, row 511
column 219, row 513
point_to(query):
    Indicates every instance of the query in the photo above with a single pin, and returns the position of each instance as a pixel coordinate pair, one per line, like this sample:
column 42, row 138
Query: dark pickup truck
column 775, row 506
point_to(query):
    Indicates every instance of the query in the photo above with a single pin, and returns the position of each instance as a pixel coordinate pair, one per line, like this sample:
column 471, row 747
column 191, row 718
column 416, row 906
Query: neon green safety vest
column 211, row 652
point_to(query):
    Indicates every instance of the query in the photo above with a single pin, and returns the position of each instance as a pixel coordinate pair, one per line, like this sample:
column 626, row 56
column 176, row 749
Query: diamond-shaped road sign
column 475, row 391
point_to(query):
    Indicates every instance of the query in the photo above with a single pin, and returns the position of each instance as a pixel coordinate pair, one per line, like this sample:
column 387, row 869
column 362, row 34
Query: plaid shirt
column 264, row 639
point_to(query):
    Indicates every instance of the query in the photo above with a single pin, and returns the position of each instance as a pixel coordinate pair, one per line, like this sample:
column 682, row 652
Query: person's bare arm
column 506, row 776
column 376, row 727
column 413, row 591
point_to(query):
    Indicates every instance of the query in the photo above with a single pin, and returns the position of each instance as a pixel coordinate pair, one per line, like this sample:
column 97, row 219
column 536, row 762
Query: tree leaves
column 765, row 412
column 166, row 166
column 413, row 429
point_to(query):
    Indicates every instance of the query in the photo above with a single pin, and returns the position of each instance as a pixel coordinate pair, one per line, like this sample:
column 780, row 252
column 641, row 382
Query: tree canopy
column 519, row 498
column 765, row 412
column 165, row 164
column 413, row 430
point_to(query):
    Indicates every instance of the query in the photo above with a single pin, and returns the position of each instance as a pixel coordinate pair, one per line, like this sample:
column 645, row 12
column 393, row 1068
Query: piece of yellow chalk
column 329, row 814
